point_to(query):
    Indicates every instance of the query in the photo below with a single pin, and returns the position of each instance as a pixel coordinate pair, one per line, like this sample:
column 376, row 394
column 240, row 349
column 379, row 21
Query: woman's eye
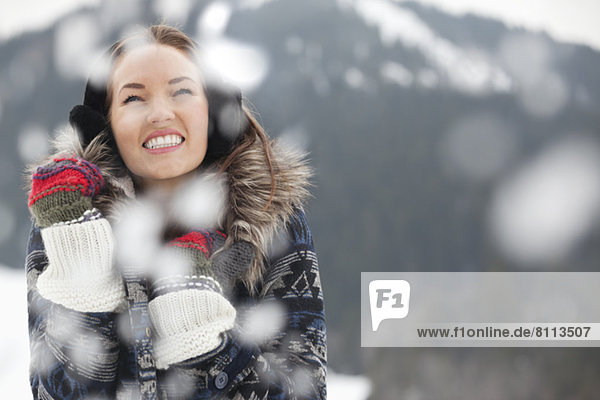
column 183, row 91
column 131, row 98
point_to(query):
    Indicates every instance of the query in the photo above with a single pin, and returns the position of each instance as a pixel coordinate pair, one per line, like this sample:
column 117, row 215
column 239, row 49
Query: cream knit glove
column 188, row 310
column 80, row 273
column 78, row 240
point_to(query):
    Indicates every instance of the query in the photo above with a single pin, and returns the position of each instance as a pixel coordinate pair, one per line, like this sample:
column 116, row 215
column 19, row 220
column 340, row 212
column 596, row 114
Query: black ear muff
column 226, row 120
column 90, row 118
column 87, row 122
column 95, row 98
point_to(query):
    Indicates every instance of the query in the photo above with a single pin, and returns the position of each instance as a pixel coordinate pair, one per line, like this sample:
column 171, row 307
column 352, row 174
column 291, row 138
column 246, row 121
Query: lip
column 163, row 132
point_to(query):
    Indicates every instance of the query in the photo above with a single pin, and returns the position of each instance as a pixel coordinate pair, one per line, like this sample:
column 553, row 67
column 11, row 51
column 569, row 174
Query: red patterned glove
column 62, row 191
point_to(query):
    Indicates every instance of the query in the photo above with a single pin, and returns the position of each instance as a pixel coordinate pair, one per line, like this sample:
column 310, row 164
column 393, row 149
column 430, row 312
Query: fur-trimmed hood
column 253, row 212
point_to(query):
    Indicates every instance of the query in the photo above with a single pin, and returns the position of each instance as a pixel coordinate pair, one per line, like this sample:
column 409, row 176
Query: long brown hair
column 246, row 139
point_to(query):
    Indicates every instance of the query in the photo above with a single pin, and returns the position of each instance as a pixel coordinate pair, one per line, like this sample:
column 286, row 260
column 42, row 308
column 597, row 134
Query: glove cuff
column 62, row 206
column 188, row 323
column 103, row 293
column 175, row 283
column 80, row 273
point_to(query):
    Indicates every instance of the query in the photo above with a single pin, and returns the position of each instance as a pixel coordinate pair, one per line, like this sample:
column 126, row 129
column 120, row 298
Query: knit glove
column 62, row 191
column 77, row 238
column 188, row 310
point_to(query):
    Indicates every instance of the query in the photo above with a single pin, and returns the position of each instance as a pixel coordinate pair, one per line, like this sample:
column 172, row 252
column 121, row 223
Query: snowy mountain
column 440, row 142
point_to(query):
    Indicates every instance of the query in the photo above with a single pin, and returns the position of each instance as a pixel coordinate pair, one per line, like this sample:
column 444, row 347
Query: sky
column 566, row 20
column 23, row 15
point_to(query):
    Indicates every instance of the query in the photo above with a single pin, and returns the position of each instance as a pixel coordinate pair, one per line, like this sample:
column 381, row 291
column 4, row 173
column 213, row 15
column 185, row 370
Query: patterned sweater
column 107, row 355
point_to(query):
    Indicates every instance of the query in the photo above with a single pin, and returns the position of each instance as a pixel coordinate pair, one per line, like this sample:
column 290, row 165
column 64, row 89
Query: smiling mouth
column 160, row 142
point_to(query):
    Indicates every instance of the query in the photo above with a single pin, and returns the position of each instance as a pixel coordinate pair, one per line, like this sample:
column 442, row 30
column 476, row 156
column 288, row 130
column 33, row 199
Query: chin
column 167, row 175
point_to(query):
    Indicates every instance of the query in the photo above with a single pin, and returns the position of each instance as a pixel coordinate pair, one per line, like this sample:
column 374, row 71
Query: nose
column 160, row 112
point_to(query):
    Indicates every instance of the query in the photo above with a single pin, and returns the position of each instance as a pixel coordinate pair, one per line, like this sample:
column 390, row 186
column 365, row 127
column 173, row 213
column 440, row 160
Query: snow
column 542, row 91
column 262, row 323
column 539, row 215
column 173, row 11
column 17, row 17
column 77, row 45
column 355, row 78
column 202, row 202
column 468, row 70
column 242, row 64
column 14, row 342
column 478, row 147
column 347, row 387
column 32, row 143
column 573, row 21
column 295, row 137
column 397, row 73
column 428, row 78
column 137, row 233
column 214, row 19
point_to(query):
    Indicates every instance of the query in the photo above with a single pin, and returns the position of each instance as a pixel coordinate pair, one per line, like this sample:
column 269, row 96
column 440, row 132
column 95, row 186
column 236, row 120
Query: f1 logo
column 389, row 299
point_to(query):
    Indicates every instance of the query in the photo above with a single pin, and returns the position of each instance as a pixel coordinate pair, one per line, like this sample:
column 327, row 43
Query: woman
column 103, row 330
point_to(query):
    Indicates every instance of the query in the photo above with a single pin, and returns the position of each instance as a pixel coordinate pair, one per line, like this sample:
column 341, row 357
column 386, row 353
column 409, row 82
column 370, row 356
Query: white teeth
column 163, row 141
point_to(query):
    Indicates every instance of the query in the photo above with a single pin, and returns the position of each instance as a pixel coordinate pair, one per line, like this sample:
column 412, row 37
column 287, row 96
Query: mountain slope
column 416, row 121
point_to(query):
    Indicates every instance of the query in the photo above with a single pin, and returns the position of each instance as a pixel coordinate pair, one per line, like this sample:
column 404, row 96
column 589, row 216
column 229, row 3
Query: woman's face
column 158, row 114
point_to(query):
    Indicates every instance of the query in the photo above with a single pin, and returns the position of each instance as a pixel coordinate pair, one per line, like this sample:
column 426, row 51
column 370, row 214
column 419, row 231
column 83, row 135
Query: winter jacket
column 106, row 355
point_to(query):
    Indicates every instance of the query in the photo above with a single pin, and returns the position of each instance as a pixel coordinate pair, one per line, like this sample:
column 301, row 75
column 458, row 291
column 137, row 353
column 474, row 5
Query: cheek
column 124, row 131
column 199, row 125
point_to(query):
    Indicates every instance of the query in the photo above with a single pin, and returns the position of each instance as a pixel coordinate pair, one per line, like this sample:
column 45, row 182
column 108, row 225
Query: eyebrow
column 179, row 79
column 134, row 85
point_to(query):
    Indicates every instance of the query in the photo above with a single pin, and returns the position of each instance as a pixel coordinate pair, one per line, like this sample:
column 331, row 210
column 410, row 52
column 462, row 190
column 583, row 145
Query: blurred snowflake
column 539, row 215
column 261, row 323
column 77, row 44
column 201, row 203
column 542, row 92
column 32, row 143
column 212, row 22
column 174, row 12
column 478, row 147
column 137, row 231
column 241, row 64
